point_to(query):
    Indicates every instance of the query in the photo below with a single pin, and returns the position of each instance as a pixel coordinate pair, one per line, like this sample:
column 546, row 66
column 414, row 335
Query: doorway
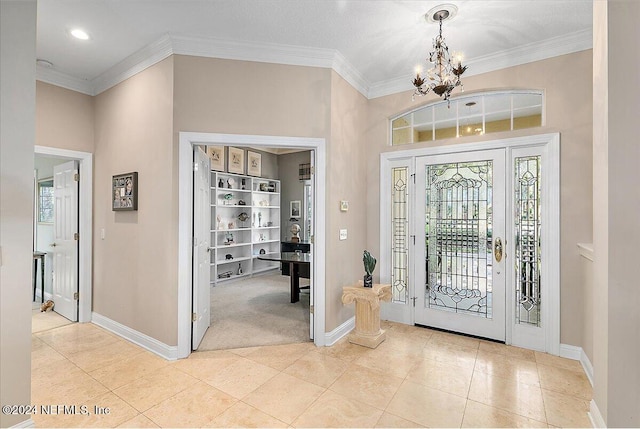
column 241, row 224
column 187, row 293
column 77, row 306
column 474, row 239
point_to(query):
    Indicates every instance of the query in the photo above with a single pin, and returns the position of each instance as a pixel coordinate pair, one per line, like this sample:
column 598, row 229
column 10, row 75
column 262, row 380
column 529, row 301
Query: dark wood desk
column 294, row 260
column 36, row 256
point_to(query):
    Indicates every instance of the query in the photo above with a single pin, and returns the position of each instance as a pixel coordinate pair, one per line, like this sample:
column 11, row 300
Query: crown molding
column 271, row 53
column 549, row 48
column 134, row 64
column 64, row 80
column 302, row 56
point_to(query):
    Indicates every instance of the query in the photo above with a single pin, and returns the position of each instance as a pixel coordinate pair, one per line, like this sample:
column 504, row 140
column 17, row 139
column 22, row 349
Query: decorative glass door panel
column 460, row 203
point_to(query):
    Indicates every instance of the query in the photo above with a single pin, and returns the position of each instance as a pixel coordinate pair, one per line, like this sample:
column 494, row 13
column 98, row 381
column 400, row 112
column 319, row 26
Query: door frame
column 551, row 221
column 85, row 220
column 185, row 221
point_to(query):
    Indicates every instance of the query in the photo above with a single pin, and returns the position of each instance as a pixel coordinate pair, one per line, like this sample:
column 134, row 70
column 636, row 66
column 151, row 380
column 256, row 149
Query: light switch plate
column 343, row 234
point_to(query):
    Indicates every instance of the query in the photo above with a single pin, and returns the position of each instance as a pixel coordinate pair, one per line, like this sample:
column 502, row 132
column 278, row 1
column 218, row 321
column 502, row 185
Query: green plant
column 369, row 262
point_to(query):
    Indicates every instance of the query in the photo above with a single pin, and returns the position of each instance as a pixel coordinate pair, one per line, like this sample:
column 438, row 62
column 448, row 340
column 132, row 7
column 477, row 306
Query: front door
column 65, row 240
column 460, row 266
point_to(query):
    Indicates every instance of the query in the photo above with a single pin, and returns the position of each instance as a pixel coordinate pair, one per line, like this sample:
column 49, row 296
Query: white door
column 308, row 216
column 201, row 247
column 65, row 244
column 460, row 243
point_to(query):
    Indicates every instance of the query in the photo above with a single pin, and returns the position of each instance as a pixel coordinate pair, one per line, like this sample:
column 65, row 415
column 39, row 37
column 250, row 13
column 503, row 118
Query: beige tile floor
column 416, row 378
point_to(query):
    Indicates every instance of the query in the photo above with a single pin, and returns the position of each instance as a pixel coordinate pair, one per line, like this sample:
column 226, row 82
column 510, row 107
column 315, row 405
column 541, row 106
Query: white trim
column 570, row 352
column 586, row 365
column 54, row 77
column 135, row 63
column 25, row 424
column 586, row 250
column 597, row 421
column 161, row 349
column 577, row 353
column 330, row 338
column 551, row 250
column 185, row 208
column 85, row 279
column 303, row 56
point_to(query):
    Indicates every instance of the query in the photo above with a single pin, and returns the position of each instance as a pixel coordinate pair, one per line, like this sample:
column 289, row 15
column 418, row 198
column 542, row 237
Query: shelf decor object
column 254, row 164
column 245, row 220
column 367, row 331
column 216, row 155
column 236, row 161
column 369, row 265
column 124, row 192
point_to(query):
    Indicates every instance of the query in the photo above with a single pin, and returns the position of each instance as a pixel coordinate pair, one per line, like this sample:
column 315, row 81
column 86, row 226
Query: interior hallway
column 416, row 378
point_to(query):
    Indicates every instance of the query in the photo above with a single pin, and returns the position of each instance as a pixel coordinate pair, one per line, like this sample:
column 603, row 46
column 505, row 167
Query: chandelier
column 444, row 75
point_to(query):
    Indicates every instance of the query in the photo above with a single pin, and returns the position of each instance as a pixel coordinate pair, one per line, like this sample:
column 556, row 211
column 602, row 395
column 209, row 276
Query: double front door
column 466, row 243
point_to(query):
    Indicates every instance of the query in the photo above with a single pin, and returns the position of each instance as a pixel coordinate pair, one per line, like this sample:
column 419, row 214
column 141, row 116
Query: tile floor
column 416, row 378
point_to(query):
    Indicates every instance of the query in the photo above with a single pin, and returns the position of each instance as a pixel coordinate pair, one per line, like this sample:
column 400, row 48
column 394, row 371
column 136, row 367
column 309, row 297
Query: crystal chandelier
column 444, row 75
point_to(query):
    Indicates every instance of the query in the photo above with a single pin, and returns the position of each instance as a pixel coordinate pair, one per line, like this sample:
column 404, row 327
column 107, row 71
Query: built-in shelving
column 236, row 244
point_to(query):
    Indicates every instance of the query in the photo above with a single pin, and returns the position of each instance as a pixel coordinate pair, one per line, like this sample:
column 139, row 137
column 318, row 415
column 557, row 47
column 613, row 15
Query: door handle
column 497, row 249
column 209, row 249
column 53, row 245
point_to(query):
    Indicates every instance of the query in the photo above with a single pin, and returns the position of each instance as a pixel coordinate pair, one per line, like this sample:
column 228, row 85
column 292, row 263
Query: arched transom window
column 474, row 114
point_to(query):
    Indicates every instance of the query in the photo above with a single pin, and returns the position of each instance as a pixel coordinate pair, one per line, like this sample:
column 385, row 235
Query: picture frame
column 254, row 164
column 124, row 192
column 295, row 209
column 235, row 163
column 216, row 157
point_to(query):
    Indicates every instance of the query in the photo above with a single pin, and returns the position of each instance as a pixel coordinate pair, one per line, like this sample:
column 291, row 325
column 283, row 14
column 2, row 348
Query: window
column 45, row 201
column 475, row 114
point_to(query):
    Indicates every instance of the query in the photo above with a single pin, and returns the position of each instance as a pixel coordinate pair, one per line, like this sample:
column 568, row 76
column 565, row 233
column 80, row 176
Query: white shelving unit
column 245, row 222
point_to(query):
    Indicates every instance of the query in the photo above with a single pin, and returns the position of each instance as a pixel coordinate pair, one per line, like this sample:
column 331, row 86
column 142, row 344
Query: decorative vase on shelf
column 220, row 183
column 369, row 265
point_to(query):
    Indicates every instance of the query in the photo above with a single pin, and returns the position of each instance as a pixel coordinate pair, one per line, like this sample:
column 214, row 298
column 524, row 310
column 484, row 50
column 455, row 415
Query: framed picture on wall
column 124, row 192
column 236, row 161
column 254, row 164
column 216, row 155
column 295, row 208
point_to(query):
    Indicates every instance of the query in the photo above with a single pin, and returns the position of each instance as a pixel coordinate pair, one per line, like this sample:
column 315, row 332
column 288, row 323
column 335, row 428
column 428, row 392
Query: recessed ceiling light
column 79, row 34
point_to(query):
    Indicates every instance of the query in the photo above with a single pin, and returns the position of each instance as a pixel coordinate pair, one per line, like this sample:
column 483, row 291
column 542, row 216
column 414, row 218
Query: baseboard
column 161, row 349
column 586, row 364
column 330, row 338
column 25, row 424
column 577, row 353
column 595, row 416
column 570, row 352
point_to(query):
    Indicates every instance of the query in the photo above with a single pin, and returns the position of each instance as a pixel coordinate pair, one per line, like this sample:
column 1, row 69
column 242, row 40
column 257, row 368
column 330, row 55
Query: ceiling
column 374, row 44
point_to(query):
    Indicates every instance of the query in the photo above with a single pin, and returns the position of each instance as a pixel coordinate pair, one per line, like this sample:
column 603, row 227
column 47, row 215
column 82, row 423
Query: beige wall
column 17, row 133
column 64, row 118
column 346, row 180
column 567, row 83
column 292, row 190
column 600, row 308
column 135, row 266
column 624, row 214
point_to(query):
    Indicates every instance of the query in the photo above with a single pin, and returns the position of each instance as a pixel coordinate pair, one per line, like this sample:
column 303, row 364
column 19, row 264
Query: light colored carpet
column 256, row 312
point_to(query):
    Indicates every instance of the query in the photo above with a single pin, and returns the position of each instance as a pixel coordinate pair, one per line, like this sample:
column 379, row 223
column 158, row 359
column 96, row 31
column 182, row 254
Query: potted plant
column 369, row 266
